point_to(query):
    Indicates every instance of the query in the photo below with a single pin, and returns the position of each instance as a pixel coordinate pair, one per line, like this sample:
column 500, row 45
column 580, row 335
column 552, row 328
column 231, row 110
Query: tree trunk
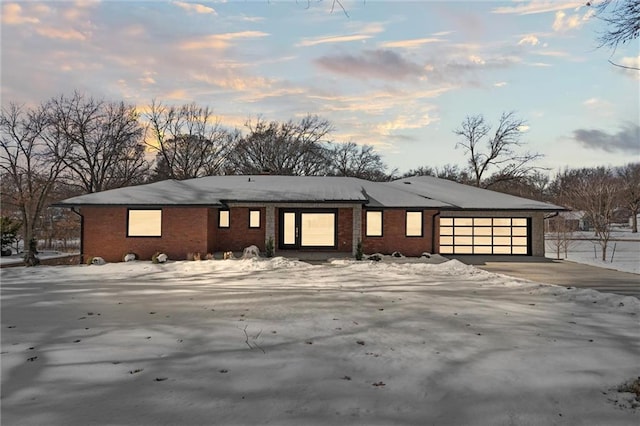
column 634, row 222
column 604, row 252
column 30, row 245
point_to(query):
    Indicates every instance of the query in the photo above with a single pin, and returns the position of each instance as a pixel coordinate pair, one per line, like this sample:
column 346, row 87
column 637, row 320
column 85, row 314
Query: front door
column 308, row 229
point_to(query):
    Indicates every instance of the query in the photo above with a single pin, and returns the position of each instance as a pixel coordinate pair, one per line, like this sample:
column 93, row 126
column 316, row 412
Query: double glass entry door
column 308, row 229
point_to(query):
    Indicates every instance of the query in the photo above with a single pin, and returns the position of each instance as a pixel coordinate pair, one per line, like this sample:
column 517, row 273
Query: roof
column 418, row 192
column 469, row 197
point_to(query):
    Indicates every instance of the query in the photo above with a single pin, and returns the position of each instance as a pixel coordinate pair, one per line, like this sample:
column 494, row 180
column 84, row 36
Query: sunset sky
column 397, row 75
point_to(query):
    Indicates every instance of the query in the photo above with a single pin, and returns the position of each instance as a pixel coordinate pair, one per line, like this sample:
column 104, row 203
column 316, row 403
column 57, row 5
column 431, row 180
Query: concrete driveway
column 560, row 272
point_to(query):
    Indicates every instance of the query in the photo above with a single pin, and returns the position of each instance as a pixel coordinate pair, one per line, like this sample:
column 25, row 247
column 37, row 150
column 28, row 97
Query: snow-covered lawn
column 283, row 342
column 623, row 253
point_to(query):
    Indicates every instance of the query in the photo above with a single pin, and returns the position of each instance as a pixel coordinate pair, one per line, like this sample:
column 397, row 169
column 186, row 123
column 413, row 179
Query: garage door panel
column 485, row 235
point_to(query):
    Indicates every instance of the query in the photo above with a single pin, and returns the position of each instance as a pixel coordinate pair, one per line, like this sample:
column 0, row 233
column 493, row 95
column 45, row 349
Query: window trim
column 259, row 225
column 406, row 224
column 129, row 210
column 366, row 225
column 220, row 225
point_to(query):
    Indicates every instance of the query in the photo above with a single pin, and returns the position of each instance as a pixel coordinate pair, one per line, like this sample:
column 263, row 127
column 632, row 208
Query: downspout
column 544, row 221
column 73, row 209
column 433, row 232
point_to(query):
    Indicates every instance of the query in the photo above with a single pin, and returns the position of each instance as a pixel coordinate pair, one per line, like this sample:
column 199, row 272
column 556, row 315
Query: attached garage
column 485, row 235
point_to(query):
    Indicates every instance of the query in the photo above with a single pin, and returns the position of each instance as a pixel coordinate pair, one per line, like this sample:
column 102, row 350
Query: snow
column 583, row 248
column 283, row 342
column 423, row 192
column 468, row 197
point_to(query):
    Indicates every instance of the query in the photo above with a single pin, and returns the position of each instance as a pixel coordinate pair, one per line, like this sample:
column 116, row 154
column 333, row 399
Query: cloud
column 530, row 39
column 195, row 7
column 626, row 140
column 333, row 39
column 553, row 53
column 12, row 15
column 410, row 44
column 220, row 41
column 56, row 33
column 633, row 66
column 359, row 31
column 537, row 7
column 380, row 64
column 564, row 22
column 500, row 84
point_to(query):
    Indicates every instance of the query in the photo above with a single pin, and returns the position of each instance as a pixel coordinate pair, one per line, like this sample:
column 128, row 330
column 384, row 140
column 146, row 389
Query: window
column 318, row 229
column 144, row 223
column 254, row 218
column 374, row 224
column 223, row 219
column 414, row 224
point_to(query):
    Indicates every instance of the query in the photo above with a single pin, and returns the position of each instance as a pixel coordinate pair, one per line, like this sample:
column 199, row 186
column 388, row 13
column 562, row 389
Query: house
column 308, row 213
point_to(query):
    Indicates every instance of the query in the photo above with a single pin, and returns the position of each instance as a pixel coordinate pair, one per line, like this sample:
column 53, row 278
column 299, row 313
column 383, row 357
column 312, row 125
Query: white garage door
column 484, row 235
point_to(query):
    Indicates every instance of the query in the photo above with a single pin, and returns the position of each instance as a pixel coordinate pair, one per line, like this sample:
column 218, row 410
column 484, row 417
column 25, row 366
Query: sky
column 400, row 76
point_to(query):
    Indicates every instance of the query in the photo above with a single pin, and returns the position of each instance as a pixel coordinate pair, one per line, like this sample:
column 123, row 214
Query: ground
column 284, row 342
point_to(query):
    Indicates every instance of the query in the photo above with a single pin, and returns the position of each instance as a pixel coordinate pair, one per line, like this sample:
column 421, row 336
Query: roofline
column 494, row 209
column 70, row 205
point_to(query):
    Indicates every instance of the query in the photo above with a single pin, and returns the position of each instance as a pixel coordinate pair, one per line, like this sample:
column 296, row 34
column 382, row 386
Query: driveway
column 560, row 272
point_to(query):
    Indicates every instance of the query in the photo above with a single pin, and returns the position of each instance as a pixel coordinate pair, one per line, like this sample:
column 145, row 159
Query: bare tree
column 623, row 23
column 188, row 139
column 104, row 139
column 360, row 161
column 448, row 171
column 596, row 193
column 497, row 152
column 32, row 157
column 560, row 235
column 630, row 191
column 291, row 148
column 534, row 185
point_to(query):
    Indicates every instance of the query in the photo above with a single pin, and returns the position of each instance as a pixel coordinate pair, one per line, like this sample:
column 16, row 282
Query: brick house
column 315, row 213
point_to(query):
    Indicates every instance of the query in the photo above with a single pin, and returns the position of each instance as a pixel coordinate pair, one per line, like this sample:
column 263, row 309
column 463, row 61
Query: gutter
column 433, row 232
column 73, row 209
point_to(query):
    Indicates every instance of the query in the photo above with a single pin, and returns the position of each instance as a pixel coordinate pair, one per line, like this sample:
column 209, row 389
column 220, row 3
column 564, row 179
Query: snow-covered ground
column 283, row 342
column 584, row 248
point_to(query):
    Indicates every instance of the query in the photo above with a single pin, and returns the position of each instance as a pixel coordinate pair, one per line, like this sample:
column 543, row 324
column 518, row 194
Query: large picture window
column 414, row 224
column 144, row 223
column 374, row 224
column 484, row 235
column 318, row 229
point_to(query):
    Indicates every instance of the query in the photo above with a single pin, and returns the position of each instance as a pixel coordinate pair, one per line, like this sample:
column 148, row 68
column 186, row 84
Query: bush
column 269, row 249
column 359, row 253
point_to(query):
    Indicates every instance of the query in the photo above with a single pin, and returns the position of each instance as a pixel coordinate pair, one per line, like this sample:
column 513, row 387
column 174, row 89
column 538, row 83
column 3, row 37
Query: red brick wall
column 345, row 230
column 393, row 234
column 184, row 230
column 238, row 235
